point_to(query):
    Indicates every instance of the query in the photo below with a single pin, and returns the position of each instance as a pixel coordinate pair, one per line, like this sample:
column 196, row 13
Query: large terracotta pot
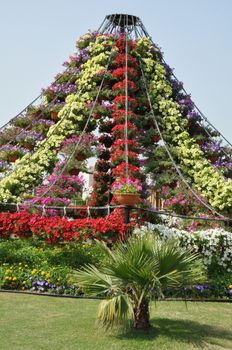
column 127, row 198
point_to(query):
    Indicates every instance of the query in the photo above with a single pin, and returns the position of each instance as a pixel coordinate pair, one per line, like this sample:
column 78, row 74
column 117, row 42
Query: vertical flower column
column 124, row 151
column 103, row 114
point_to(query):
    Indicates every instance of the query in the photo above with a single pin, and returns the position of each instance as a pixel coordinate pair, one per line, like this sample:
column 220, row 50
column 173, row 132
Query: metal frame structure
column 131, row 28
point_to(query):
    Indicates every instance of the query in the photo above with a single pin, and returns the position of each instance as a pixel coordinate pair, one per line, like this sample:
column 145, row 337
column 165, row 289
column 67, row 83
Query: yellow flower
column 33, row 271
column 47, row 275
column 230, row 286
column 14, row 278
column 42, row 273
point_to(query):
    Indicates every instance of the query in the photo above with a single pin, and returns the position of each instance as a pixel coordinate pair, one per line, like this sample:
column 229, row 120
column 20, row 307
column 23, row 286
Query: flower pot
column 127, row 198
column 173, row 184
column 74, row 171
column 163, row 167
column 12, row 158
column 54, row 116
column 213, row 158
column 80, row 157
column 28, row 145
column 36, row 114
column 96, row 115
column 155, row 138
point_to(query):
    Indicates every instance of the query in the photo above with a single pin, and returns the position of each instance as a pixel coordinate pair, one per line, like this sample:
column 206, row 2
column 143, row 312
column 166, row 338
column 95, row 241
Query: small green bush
column 72, row 255
column 28, row 265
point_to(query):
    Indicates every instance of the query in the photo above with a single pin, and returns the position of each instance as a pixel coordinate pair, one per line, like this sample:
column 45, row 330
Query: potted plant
column 35, row 111
column 3, row 166
column 42, row 125
column 28, row 139
column 11, row 153
column 84, row 150
column 52, row 111
column 23, row 121
column 73, row 167
column 8, row 134
column 127, row 191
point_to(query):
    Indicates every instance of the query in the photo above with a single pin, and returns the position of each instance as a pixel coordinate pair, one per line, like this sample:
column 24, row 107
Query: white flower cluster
column 215, row 245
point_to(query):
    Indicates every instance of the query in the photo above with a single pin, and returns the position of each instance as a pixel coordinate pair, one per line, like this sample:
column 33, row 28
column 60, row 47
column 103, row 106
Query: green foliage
column 29, row 252
column 136, row 271
column 37, row 266
column 221, row 285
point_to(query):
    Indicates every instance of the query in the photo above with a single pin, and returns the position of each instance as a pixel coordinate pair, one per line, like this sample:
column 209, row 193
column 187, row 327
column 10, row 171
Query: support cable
column 101, row 25
column 199, row 111
column 205, row 119
column 81, row 135
column 18, row 207
column 20, row 113
column 38, row 116
column 119, row 28
column 113, row 26
column 211, row 139
column 30, row 104
column 66, row 114
column 208, row 206
column 126, row 102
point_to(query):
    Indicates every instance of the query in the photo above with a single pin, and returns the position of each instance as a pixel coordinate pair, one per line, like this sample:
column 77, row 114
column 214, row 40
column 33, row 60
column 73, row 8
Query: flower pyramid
column 117, row 101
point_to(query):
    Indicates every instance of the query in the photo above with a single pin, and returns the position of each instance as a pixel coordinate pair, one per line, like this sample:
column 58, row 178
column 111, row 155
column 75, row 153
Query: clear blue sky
column 195, row 36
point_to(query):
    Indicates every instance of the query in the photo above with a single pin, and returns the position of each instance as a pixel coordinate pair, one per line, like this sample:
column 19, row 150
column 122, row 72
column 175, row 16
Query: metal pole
column 127, row 210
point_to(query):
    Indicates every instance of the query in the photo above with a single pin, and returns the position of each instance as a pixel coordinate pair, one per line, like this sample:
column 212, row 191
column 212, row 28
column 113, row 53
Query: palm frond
column 175, row 263
column 95, row 281
column 117, row 311
column 105, row 250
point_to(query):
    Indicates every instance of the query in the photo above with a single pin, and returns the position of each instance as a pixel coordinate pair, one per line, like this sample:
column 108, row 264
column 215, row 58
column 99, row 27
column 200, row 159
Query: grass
column 31, row 322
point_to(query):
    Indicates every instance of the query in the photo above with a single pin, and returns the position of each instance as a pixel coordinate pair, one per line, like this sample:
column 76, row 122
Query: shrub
column 215, row 245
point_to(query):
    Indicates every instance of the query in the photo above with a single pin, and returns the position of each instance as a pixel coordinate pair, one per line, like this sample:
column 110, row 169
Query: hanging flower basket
column 12, row 158
column 155, row 138
column 74, row 171
column 127, row 198
column 213, row 158
column 80, row 157
column 28, row 145
column 54, row 116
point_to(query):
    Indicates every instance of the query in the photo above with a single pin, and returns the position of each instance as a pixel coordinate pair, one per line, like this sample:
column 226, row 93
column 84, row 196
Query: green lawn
column 33, row 322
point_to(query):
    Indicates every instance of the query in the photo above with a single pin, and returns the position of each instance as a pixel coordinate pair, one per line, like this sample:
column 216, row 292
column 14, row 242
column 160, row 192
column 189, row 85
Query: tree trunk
column 141, row 316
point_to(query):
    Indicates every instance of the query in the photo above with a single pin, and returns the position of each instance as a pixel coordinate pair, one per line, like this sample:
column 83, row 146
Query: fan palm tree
column 133, row 273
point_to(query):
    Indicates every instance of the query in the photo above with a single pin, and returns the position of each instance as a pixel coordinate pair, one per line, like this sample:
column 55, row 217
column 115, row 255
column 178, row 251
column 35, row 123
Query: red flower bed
column 56, row 230
column 15, row 224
